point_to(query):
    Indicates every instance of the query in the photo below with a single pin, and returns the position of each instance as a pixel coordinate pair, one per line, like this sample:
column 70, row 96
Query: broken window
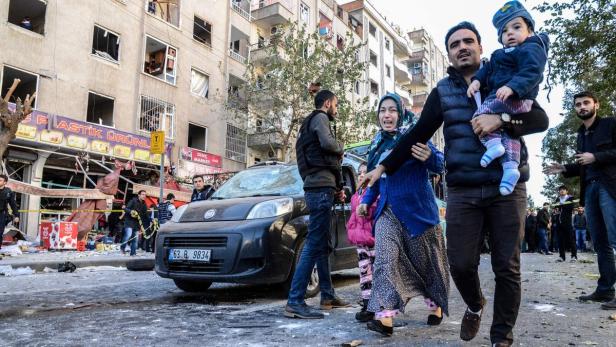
column 374, row 88
column 304, row 13
column 202, row 31
column 167, row 10
column 28, row 14
column 27, row 86
column 235, row 148
column 106, row 44
column 340, row 42
column 160, row 60
column 372, row 29
column 199, row 83
column 373, row 58
column 387, row 71
column 100, row 109
column 197, row 137
column 259, row 125
column 155, row 115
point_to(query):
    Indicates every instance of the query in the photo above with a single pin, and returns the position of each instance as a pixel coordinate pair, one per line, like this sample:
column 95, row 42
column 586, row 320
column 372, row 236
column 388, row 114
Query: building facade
column 428, row 65
column 108, row 72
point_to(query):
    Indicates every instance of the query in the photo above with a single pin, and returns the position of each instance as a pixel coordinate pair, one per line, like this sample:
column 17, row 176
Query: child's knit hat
column 509, row 11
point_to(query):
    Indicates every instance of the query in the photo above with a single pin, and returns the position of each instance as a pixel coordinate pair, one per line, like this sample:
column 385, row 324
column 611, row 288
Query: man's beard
column 330, row 112
column 589, row 115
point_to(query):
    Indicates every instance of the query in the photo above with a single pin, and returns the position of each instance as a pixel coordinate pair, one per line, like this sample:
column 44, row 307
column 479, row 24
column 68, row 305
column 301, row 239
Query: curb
column 39, row 266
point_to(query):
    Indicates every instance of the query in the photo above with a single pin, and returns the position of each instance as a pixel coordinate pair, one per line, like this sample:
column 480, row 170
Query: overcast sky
column 437, row 16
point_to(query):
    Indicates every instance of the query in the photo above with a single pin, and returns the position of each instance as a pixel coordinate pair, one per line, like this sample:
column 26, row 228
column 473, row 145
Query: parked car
column 252, row 231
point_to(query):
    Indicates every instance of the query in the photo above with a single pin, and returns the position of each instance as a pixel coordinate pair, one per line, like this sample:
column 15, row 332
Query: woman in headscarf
column 410, row 256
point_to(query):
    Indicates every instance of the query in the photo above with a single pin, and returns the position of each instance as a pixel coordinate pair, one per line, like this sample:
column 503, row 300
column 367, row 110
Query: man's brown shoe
column 610, row 305
column 336, row 302
column 471, row 322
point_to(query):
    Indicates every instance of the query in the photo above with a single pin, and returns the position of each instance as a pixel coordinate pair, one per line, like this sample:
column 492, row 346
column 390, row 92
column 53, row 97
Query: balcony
column 419, row 55
column 264, row 141
column 268, row 13
column 262, row 52
column 237, row 56
column 420, row 79
column 401, row 72
column 404, row 95
column 242, row 7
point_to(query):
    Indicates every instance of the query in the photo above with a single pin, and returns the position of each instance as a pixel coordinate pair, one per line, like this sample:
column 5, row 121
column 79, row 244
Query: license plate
column 180, row 254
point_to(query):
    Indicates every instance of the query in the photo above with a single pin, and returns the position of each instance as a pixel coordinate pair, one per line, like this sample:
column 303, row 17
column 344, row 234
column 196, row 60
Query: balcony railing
column 265, row 140
column 236, row 56
column 242, row 12
column 257, row 4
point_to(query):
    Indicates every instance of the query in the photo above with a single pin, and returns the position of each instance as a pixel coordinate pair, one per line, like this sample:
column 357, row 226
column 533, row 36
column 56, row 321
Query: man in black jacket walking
column 579, row 224
column 543, row 222
column 137, row 218
column 7, row 200
column 474, row 200
column 530, row 231
column 566, row 237
column 595, row 163
column 319, row 159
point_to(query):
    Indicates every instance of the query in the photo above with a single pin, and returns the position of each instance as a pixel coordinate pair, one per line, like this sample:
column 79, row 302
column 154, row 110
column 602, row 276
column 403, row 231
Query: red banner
column 201, row 157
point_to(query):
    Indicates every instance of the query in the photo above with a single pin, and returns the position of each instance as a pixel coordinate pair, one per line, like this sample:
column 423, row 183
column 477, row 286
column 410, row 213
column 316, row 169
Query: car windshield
column 262, row 181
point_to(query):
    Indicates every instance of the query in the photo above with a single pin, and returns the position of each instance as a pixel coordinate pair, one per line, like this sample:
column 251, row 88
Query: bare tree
column 9, row 120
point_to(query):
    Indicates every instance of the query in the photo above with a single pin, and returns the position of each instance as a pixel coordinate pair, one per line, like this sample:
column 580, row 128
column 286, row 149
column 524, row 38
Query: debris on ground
column 8, row 271
column 353, row 343
column 66, row 267
column 613, row 317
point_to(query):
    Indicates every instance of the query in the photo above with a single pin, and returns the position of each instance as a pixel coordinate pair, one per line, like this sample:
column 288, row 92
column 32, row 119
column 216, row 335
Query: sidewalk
column 39, row 261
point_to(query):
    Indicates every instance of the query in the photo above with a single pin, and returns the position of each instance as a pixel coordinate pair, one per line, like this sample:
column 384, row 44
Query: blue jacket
column 409, row 194
column 520, row 68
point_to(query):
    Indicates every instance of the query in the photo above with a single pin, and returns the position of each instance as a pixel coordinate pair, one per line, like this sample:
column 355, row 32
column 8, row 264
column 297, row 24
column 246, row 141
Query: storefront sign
column 189, row 169
column 77, row 142
column 67, row 132
column 51, row 136
column 201, row 157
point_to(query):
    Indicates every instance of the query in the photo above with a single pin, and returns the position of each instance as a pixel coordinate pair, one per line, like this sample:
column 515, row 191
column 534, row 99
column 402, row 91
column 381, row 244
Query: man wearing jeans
column 595, row 163
column 319, row 158
column 579, row 223
column 543, row 220
column 136, row 218
column 474, row 203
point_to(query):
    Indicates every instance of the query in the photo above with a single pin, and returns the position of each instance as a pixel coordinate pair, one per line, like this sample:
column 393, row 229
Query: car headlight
column 271, row 208
column 178, row 213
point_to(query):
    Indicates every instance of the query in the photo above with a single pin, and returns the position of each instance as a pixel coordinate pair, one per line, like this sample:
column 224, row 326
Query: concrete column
column 34, row 201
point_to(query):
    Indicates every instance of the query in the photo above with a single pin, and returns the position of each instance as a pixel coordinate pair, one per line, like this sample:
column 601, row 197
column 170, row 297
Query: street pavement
column 101, row 306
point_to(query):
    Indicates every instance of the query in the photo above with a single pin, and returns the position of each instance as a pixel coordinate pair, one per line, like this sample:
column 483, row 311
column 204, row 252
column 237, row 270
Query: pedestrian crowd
column 485, row 108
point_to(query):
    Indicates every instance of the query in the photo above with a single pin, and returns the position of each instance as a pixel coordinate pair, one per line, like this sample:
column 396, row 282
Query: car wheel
column 313, row 284
column 192, row 286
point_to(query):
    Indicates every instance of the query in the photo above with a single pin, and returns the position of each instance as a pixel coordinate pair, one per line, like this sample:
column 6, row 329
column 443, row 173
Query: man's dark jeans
column 601, row 222
column 543, row 240
column 566, row 240
column 316, row 247
column 469, row 209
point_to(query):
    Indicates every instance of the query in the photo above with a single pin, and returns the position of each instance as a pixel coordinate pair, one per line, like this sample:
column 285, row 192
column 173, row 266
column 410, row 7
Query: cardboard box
column 59, row 235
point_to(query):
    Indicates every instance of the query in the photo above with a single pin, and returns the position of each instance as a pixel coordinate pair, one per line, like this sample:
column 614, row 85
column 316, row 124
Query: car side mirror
column 348, row 193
